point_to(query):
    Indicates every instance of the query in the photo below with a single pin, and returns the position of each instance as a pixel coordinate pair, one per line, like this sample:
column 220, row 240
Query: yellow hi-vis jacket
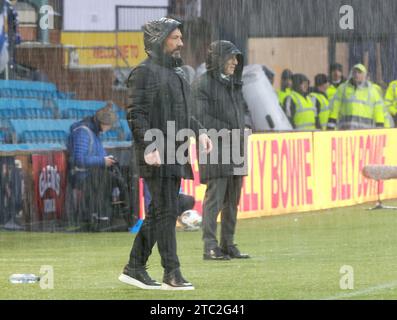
column 282, row 95
column 356, row 107
column 324, row 108
column 305, row 112
column 331, row 90
column 389, row 122
column 391, row 98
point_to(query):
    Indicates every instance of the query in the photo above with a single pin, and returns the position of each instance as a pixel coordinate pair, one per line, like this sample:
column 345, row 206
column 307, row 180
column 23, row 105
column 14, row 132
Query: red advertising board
column 49, row 178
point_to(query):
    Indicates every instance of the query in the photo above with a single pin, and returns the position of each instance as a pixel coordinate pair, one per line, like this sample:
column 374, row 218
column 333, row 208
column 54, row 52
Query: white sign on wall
column 133, row 18
column 100, row 15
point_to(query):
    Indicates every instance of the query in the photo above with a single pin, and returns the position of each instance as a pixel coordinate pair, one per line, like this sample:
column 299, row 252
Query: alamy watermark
column 228, row 146
column 346, row 17
column 47, row 17
column 47, row 277
column 346, row 282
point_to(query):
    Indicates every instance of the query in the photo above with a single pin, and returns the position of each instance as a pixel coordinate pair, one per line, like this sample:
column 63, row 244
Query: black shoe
column 138, row 278
column 215, row 254
column 234, row 253
column 174, row 281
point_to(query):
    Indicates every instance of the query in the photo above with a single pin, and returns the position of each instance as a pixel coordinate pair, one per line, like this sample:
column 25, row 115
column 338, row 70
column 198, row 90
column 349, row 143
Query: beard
column 176, row 54
column 174, row 57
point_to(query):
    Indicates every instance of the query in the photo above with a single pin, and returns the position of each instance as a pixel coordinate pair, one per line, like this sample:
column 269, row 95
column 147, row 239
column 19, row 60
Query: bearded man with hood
column 299, row 106
column 219, row 105
column 159, row 100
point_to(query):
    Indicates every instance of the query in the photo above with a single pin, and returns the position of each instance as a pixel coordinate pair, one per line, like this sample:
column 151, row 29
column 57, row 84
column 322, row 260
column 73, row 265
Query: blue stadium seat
column 26, row 89
column 76, row 113
column 20, row 113
column 20, row 121
column 5, row 103
column 59, row 136
column 78, row 109
column 65, row 95
column 12, row 103
column 33, row 147
column 27, row 137
column 31, row 113
column 7, row 113
column 47, row 114
column 31, row 89
column 41, row 131
column 4, row 123
column 32, row 103
column 2, row 137
column 79, row 104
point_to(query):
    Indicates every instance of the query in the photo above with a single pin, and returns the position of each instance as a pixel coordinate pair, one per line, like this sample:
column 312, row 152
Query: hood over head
column 218, row 53
column 155, row 32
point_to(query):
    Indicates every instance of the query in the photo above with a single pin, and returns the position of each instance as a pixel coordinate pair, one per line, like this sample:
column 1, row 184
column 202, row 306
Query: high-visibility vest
column 357, row 108
column 324, row 108
column 330, row 92
column 282, row 95
column 305, row 112
column 389, row 122
column 391, row 98
column 378, row 88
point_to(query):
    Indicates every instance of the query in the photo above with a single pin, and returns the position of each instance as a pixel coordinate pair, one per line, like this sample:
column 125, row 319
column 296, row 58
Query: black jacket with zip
column 219, row 105
column 159, row 93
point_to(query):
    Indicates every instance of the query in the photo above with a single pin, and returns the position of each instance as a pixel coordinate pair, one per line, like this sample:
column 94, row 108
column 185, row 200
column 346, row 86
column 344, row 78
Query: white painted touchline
column 363, row 292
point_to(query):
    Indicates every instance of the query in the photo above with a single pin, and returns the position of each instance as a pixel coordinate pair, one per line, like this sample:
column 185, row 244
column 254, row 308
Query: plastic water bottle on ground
column 24, row 278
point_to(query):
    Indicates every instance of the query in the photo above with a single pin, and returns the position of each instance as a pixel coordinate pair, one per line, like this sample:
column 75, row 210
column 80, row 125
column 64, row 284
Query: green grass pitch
column 296, row 256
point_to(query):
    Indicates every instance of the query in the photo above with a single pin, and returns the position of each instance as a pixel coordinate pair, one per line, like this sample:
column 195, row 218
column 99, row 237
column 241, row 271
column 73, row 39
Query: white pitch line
column 364, row 292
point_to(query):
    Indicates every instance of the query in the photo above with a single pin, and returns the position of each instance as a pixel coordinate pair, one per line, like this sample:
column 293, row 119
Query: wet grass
column 295, row 256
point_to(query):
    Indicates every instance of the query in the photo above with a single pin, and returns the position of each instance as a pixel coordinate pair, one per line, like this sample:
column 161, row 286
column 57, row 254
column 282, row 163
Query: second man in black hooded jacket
column 219, row 106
